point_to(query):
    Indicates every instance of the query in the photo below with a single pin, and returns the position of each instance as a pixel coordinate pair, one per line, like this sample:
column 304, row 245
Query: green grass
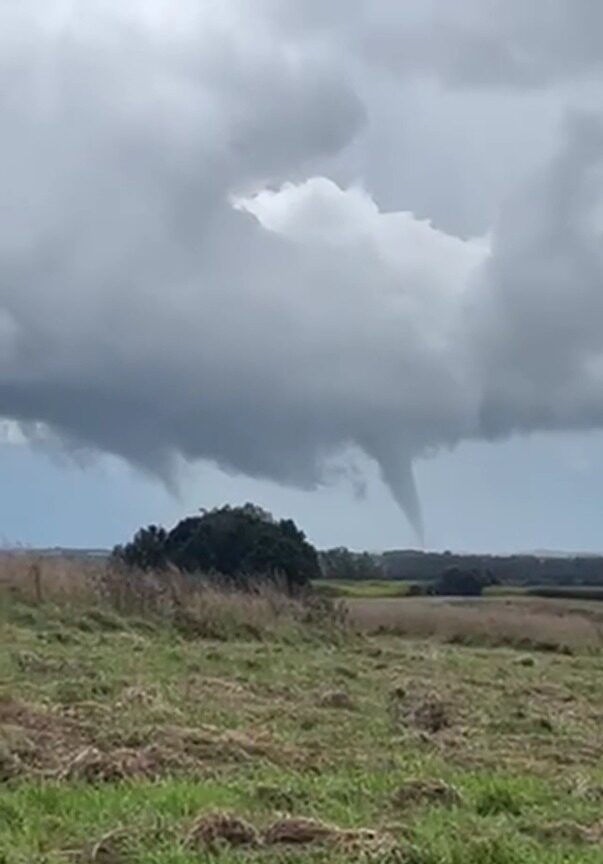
column 504, row 590
column 370, row 588
column 241, row 726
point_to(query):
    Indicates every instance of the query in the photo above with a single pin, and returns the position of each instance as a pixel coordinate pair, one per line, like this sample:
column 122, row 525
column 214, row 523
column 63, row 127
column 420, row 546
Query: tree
column 146, row 551
column 457, row 582
column 240, row 543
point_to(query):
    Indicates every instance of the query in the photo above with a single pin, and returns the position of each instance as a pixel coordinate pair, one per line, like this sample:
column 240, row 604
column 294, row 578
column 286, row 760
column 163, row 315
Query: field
column 519, row 621
column 385, row 588
column 343, row 588
column 252, row 729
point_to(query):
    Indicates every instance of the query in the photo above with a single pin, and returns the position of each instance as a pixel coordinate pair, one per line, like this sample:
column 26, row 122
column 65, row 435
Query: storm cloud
column 491, row 43
column 185, row 274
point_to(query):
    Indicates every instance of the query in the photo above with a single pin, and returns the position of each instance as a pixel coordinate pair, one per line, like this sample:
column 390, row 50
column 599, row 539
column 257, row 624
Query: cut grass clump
column 213, row 830
column 299, row 832
column 91, row 765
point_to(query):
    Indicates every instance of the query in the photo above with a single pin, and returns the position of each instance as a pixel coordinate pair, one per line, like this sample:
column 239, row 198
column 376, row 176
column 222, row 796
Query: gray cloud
column 542, row 301
column 519, row 43
column 166, row 293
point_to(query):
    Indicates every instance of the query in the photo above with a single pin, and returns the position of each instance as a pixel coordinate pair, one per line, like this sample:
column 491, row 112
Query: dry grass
column 199, row 609
column 93, row 766
column 34, row 579
column 212, row 830
column 544, row 625
column 194, row 605
column 215, row 829
column 300, row 832
column 56, row 744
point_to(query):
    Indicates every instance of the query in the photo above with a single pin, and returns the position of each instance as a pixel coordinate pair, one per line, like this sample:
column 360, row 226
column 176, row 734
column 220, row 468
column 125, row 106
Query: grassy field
column 258, row 729
column 369, row 588
column 386, row 588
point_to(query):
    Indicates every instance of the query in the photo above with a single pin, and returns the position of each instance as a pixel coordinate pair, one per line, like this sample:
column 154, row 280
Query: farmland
column 258, row 728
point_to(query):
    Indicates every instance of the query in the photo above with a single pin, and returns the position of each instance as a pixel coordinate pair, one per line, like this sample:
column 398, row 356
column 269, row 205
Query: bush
column 235, row 542
column 463, row 583
column 146, row 551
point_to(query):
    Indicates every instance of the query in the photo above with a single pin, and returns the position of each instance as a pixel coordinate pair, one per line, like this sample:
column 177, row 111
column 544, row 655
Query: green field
column 117, row 734
column 349, row 588
column 376, row 588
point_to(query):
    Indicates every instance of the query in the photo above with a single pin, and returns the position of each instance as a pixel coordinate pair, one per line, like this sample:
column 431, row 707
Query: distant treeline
column 575, row 592
column 416, row 566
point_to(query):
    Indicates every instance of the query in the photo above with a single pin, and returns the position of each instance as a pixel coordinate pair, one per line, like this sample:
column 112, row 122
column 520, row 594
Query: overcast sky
column 342, row 259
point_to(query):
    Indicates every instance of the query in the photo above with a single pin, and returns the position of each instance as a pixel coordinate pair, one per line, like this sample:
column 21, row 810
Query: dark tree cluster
column 537, row 569
column 462, row 583
column 241, row 543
